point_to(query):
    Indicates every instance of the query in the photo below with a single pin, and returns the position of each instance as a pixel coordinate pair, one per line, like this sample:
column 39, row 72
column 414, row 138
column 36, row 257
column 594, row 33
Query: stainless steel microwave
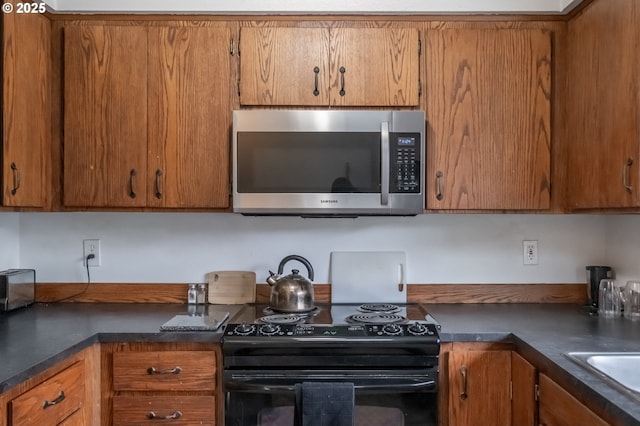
column 328, row 162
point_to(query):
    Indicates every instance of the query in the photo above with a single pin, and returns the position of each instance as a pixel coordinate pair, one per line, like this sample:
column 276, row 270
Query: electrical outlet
column 530, row 252
column 91, row 247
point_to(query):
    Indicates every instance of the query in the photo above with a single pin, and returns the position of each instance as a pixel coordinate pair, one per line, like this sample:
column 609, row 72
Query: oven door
column 382, row 397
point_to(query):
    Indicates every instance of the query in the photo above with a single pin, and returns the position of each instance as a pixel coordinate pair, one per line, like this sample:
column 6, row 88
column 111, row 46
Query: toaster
column 17, row 288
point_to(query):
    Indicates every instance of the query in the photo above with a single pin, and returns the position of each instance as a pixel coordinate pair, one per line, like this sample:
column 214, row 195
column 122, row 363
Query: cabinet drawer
column 164, row 371
column 52, row 401
column 179, row 410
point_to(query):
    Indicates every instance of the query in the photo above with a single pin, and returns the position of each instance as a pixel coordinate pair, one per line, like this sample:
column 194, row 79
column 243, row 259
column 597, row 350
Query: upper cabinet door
column 189, row 117
column 375, row 66
column 489, row 119
column 603, row 106
column 26, row 116
column 105, row 116
column 284, row 66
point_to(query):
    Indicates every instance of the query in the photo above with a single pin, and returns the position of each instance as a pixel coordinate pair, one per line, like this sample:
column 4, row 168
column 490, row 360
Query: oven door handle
column 256, row 387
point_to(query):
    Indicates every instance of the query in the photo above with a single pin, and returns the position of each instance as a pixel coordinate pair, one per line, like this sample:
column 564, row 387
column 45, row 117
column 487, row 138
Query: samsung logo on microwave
column 328, row 201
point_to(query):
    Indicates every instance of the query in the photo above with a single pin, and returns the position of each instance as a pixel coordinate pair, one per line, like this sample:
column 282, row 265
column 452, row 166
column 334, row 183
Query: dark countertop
column 543, row 334
column 35, row 338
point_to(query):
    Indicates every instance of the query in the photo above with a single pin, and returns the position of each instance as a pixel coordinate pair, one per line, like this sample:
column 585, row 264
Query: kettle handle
column 300, row 259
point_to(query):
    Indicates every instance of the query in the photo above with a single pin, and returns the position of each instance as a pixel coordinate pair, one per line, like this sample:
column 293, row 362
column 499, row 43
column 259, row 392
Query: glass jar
column 192, row 294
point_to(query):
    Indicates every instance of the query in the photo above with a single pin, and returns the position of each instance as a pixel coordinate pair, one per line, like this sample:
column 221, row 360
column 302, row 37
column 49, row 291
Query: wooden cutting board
column 231, row 287
column 368, row 277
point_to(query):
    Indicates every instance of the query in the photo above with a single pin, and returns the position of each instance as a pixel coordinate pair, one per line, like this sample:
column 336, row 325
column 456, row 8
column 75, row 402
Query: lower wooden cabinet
column 63, row 395
column 160, row 383
column 53, row 400
column 557, row 407
column 486, row 384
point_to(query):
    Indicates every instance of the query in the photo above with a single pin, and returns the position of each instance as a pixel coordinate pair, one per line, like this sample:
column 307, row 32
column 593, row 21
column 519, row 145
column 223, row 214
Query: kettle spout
column 273, row 278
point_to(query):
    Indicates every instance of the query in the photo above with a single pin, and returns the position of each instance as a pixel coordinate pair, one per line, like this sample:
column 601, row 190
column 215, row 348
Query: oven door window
column 308, row 162
column 404, row 401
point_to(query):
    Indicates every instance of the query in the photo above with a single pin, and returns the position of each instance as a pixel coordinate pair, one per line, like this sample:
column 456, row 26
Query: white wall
column 623, row 246
column 183, row 247
column 9, row 241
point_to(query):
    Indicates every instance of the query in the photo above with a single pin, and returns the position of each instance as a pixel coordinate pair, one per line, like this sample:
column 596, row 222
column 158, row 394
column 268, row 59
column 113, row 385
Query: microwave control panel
column 405, row 150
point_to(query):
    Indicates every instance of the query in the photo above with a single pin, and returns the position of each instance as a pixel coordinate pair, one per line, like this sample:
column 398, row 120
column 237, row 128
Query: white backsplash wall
column 9, row 241
column 623, row 246
column 183, row 247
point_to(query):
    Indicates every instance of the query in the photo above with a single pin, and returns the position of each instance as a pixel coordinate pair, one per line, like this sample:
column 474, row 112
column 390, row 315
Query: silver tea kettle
column 292, row 293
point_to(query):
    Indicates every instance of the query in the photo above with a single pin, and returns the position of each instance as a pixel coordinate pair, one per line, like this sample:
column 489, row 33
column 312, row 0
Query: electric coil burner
column 389, row 353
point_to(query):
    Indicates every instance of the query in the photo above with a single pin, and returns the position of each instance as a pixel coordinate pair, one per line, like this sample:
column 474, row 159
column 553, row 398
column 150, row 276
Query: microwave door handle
column 384, row 154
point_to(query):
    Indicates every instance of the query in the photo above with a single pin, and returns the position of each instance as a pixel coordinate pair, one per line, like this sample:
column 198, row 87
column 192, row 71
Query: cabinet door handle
column 16, row 178
column 463, row 393
column 316, row 71
column 625, row 174
column 56, row 401
column 132, row 183
column 158, row 184
column 342, row 71
column 175, row 370
column 175, row 415
column 439, row 186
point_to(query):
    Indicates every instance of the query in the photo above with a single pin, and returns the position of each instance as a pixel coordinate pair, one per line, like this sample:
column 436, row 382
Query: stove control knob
column 392, row 329
column 245, row 329
column 269, row 329
column 417, row 329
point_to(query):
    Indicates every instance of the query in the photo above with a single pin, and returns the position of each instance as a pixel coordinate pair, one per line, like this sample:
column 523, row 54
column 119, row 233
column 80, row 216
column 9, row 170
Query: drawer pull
column 175, row 370
column 58, row 400
column 175, row 415
column 16, row 179
column 463, row 394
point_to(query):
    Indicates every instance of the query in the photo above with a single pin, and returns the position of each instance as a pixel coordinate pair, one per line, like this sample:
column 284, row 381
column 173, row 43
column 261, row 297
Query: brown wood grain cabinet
column 64, row 394
column 175, row 383
column 488, row 106
column 283, row 66
column 147, row 116
column 479, row 382
column 603, row 106
column 557, row 407
column 26, row 112
column 488, row 384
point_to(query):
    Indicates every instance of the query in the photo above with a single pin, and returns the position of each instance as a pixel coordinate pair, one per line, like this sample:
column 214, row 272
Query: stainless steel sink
column 622, row 368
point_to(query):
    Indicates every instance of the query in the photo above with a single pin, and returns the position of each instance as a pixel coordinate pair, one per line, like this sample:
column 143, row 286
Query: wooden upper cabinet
column 375, row 66
column 147, row 116
column 284, row 66
column 489, row 119
column 479, row 383
column 603, row 106
column 105, row 116
column 26, row 109
column 189, row 117
column 322, row 67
